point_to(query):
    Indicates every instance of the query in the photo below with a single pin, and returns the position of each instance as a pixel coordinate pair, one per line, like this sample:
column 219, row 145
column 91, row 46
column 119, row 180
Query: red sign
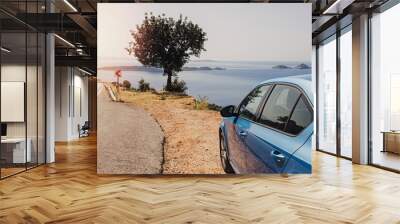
column 118, row 73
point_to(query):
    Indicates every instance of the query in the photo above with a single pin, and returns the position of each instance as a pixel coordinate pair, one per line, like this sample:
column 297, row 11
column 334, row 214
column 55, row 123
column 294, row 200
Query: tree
column 166, row 43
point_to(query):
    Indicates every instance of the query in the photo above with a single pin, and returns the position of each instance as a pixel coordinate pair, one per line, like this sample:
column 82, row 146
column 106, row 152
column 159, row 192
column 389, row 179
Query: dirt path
column 129, row 140
column 191, row 135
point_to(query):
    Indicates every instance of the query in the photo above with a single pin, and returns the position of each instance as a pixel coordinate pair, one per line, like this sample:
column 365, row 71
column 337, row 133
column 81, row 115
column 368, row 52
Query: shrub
column 178, row 86
column 215, row 107
column 126, row 84
column 201, row 103
column 143, row 86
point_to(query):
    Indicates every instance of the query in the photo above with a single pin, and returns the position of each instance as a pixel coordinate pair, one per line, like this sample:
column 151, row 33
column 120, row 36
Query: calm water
column 222, row 87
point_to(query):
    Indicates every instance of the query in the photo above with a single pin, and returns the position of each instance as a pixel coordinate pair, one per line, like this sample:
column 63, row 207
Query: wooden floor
column 5, row 172
column 387, row 159
column 69, row 191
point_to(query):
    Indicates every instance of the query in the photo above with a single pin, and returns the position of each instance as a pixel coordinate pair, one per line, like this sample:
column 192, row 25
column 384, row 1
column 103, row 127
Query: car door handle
column 243, row 133
column 278, row 157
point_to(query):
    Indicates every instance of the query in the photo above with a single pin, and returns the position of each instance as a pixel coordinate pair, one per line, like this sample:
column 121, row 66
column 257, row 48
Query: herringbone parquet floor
column 70, row 191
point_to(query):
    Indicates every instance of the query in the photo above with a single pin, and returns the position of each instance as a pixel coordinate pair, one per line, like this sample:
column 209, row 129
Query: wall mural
column 204, row 88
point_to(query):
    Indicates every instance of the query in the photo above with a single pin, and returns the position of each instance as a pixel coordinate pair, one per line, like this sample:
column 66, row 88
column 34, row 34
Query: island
column 281, row 67
column 153, row 69
column 302, row 66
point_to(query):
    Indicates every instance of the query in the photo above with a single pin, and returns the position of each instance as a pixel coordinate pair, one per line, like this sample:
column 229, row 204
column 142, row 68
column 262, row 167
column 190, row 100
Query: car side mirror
column 228, row 111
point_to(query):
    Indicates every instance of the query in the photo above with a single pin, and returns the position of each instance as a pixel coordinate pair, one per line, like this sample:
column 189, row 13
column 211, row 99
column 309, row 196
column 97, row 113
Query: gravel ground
column 129, row 140
column 191, row 145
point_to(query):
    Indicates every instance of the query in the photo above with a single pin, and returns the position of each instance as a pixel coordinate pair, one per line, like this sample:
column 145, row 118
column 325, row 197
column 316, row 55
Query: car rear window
column 249, row 106
column 301, row 117
column 279, row 105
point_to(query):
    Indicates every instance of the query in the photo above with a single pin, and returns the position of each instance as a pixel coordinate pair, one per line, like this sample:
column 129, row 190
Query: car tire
column 224, row 155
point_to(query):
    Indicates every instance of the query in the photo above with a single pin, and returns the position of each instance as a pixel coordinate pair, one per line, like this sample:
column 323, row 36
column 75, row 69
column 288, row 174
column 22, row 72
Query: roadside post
column 118, row 74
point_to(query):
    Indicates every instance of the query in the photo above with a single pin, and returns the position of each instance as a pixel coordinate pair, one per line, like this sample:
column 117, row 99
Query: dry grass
column 201, row 103
column 191, row 135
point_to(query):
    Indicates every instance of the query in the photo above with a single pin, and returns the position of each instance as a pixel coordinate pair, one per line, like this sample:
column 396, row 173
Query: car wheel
column 224, row 155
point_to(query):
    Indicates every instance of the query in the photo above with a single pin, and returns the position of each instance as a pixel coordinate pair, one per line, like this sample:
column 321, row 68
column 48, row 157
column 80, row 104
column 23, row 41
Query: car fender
column 222, row 127
column 302, row 155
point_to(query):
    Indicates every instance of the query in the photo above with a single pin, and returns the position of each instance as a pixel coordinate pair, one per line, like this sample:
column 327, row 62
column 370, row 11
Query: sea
column 221, row 87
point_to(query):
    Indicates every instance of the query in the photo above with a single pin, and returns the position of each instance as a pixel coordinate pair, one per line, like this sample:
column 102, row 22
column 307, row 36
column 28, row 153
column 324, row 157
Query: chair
column 84, row 130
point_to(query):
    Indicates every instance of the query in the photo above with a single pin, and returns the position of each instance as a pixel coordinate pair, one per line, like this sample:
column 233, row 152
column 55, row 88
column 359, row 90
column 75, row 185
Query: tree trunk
column 169, row 80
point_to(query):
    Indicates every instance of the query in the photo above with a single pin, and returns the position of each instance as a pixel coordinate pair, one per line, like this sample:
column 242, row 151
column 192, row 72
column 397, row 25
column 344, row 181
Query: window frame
column 40, row 58
column 302, row 93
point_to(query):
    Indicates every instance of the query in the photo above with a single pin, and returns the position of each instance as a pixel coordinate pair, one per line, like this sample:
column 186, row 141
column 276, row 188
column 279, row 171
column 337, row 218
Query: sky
column 235, row 32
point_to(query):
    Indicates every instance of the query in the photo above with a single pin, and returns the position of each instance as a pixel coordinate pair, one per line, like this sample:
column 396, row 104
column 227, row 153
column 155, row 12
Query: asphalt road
column 129, row 140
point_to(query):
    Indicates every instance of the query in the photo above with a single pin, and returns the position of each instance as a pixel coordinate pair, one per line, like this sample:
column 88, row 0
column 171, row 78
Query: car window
column 248, row 108
column 302, row 116
column 279, row 105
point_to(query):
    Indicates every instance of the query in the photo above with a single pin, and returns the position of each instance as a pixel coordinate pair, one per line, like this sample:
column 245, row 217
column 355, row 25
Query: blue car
column 271, row 129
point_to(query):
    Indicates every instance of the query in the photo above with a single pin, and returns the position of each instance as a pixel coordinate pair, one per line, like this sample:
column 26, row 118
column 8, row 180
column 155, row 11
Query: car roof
column 302, row 81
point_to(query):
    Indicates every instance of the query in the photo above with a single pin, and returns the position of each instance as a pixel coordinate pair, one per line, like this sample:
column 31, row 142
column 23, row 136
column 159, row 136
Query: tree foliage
column 166, row 43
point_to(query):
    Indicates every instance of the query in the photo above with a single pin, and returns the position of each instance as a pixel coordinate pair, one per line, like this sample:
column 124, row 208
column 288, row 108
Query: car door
column 237, row 130
column 300, row 121
column 268, row 140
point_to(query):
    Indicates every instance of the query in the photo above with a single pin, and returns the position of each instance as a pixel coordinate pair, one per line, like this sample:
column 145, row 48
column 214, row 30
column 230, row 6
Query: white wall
column 12, row 73
column 71, row 102
column 80, row 109
column 62, row 82
column 33, row 126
